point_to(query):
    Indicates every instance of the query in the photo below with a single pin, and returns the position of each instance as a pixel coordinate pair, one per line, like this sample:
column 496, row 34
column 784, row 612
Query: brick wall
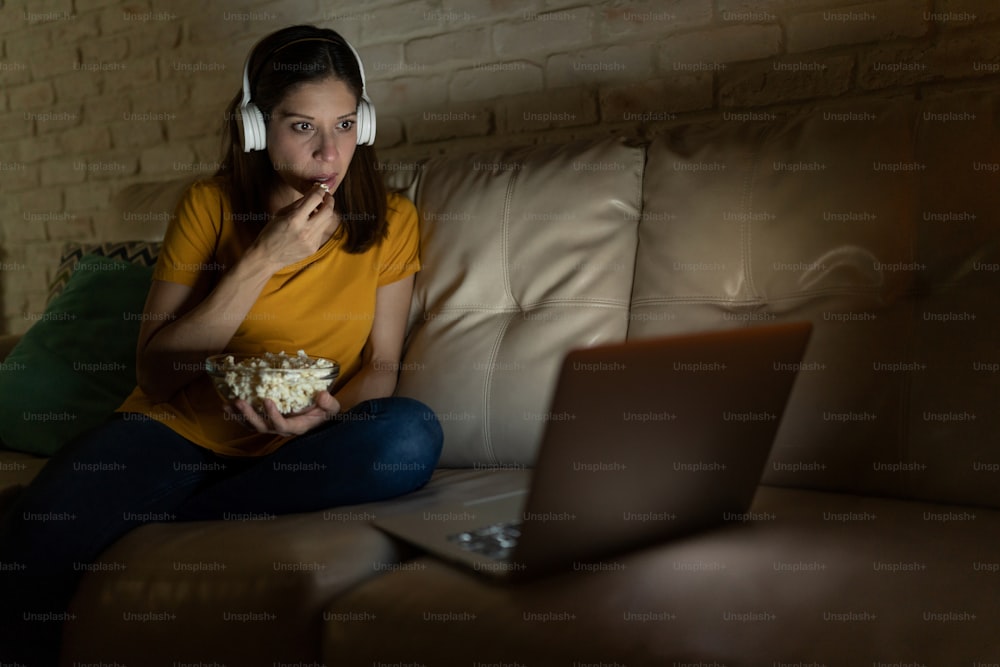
column 96, row 94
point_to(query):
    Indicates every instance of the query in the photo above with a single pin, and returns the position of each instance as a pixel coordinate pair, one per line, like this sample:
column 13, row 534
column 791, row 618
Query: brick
column 33, row 149
column 742, row 10
column 123, row 16
column 855, row 24
column 544, row 32
column 602, row 65
column 160, row 97
column 135, row 73
column 62, row 171
column 75, row 86
column 721, row 45
column 212, row 27
column 56, row 119
column 81, row 28
column 90, row 5
column 54, row 61
column 652, row 18
column 162, row 160
column 87, row 197
column 107, row 108
column 135, row 134
column 15, row 126
column 208, row 150
column 409, row 20
column 479, row 11
column 17, row 176
column 213, row 90
column 390, row 132
column 467, row 45
column 107, row 166
column 156, row 36
column 14, row 73
column 43, row 256
column 659, row 99
column 952, row 10
column 409, row 93
column 495, row 80
column 195, row 122
column 887, row 66
column 48, row 12
column 453, row 123
column 107, row 50
column 957, row 55
column 551, row 109
column 784, row 81
column 289, row 12
column 69, row 230
column 10, row 151
column 384, row 61
column 22, row 45
column 85, row 139
column 18, row 283
column 31, row 96
column 965, row 54
column 21, row 230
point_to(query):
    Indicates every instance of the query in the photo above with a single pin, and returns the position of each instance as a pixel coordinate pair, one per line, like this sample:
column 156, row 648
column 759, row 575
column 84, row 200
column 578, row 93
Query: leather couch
column 872, row 538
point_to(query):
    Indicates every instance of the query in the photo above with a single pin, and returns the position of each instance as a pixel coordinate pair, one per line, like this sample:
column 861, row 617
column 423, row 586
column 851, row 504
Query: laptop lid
column 652, row 439
column 644, row 441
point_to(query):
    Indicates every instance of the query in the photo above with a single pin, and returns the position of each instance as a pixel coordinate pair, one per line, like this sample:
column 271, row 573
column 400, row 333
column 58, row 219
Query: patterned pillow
column 143, row 253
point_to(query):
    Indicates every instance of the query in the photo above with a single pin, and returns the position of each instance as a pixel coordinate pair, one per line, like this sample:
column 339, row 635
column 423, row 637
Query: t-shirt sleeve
column 401, row 249
column 192, row 236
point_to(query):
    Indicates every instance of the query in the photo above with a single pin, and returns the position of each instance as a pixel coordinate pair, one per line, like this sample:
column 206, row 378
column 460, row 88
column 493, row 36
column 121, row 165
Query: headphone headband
column 251, row 121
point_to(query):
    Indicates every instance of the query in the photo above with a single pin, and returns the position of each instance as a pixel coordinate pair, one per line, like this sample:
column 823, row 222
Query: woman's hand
column 324, row 408
column 299, row 229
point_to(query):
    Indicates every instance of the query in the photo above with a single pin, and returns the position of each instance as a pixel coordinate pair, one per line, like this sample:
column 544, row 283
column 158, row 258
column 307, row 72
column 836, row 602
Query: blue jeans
column 134, row 470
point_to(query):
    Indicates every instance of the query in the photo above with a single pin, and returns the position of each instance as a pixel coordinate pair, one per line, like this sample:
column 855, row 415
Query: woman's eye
column 346, row 125
column 301, row 127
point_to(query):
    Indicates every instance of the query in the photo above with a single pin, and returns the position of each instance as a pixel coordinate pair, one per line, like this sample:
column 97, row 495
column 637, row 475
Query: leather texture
column 240, row 592
column 824, row 214
column 525, row 256
column 798, row 584
column 883, row 233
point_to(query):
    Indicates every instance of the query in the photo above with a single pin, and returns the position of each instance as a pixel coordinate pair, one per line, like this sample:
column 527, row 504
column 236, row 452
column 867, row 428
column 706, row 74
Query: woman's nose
column 326, row 150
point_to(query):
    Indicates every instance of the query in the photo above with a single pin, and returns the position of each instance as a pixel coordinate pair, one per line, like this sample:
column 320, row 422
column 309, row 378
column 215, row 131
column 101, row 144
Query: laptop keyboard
column 495, row 541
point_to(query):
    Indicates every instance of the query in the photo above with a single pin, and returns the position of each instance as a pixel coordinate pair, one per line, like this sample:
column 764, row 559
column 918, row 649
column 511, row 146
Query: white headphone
column 250, row 120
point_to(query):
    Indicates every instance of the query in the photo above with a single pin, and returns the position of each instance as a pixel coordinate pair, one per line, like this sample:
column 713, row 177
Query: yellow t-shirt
column 324, row 304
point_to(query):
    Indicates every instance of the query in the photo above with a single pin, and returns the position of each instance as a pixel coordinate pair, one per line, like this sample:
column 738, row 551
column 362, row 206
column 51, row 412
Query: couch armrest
column 7, row 343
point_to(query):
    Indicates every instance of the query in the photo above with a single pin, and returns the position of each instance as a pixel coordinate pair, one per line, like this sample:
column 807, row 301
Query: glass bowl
column 290, row 380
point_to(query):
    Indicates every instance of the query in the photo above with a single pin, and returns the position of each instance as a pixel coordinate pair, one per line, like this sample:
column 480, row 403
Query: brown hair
column 280, row 61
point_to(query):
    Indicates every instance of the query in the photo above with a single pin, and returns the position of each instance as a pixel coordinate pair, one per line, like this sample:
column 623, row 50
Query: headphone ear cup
column 250, row 121
column 366, row 123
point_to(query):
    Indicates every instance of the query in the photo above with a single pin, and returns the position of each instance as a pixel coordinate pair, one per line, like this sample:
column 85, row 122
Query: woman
column 296, row 246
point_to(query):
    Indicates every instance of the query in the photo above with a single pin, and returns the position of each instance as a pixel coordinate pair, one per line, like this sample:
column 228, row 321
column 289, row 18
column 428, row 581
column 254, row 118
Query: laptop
column 646, row 441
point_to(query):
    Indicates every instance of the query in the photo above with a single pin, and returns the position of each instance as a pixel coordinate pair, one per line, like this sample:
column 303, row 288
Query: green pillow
column 76, row 364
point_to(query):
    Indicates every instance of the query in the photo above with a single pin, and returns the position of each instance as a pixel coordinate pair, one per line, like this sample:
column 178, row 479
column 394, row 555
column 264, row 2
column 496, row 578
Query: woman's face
column 311, row 136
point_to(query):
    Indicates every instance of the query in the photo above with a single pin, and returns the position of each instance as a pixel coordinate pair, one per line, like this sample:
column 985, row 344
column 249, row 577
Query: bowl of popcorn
column 290, row 380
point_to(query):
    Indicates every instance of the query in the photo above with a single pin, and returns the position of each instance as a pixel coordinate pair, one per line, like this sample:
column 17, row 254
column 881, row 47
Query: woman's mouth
column 330, row 181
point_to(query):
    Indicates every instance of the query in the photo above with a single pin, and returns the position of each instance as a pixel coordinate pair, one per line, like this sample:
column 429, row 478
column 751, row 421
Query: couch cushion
column 141, row 253
column 76, row 364
column 526, row 253
column 806, row 578
column 859, row 218
column 248, row 592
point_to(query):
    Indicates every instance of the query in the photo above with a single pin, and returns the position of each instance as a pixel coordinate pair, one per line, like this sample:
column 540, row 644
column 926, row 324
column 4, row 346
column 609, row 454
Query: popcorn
column 290, row 381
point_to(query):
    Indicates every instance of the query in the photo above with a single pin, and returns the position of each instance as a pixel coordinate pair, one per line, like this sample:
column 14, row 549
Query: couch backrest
column 877, row 221
column 527, row 253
